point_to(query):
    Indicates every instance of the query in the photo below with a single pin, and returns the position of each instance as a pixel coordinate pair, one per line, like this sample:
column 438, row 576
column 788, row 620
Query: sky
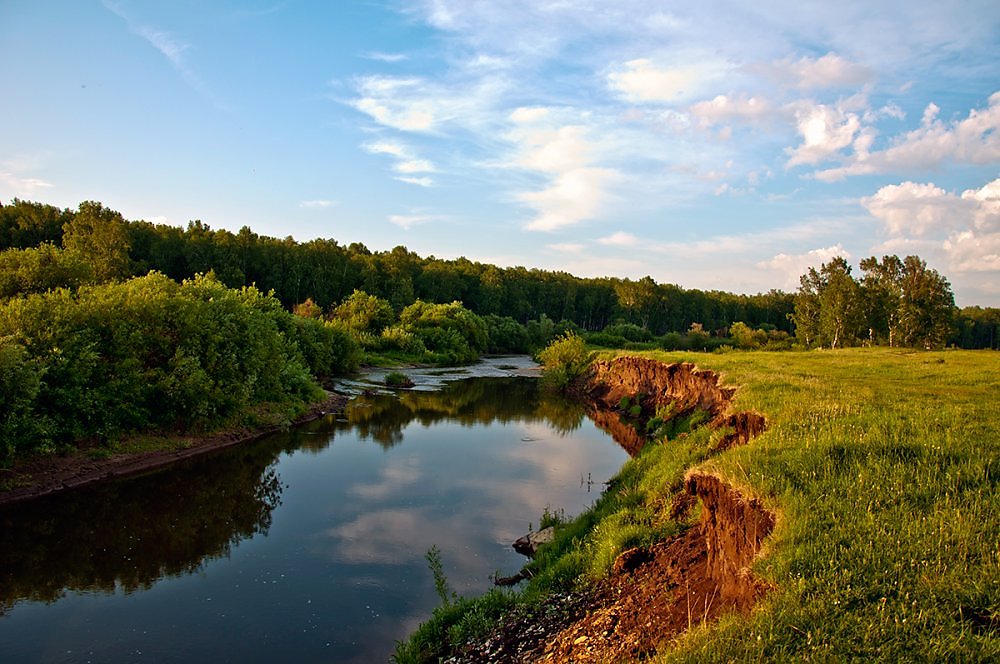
column 713, row 145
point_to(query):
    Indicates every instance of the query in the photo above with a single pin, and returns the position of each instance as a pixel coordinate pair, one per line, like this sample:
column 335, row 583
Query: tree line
column 327, row 272
column 62, row 247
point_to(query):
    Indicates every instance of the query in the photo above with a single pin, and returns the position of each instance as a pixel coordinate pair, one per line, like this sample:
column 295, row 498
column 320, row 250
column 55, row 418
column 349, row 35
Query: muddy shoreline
column 50, row 475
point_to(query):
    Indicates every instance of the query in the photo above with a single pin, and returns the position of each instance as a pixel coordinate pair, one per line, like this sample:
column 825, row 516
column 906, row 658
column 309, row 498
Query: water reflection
column 382, row 417
column 127, row 535
column 306, row 545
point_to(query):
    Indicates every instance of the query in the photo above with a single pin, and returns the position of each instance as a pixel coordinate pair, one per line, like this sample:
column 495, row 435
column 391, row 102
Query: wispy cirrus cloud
column 385, row 57
column 317, row 204
column 807, row 73
column 406, row 164
column 171, row 47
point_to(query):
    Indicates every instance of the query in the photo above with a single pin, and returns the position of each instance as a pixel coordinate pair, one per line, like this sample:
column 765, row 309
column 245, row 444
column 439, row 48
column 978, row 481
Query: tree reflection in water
column 128, row 534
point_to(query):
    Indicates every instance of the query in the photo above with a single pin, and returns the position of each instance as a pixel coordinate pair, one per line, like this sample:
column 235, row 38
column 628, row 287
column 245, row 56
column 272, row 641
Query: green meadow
column 882, row 468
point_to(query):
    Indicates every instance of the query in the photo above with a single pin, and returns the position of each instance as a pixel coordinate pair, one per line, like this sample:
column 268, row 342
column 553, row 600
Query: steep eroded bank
column 653, row 593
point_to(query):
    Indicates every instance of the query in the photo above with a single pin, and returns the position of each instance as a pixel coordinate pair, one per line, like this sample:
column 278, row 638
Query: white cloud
column 724, row 109
column 969, row 252
column 828, row 71
column 317, row 205
column 414, row 166
column 385, row 147
column 640, row 81
column 793, row 266
column 619, row 239
column 825, row 132
column 964, row 229
column 974, row 140
column 396, row 102
column 913, row 209
column 423, row 181
column 385, row 57
column 406, row 163
column 528, row 114
column 572, row 197
column 22, row 186
column 408, row 221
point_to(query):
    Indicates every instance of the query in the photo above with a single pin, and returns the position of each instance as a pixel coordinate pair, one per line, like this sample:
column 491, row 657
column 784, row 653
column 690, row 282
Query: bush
column 151, row 353
column 564, row 360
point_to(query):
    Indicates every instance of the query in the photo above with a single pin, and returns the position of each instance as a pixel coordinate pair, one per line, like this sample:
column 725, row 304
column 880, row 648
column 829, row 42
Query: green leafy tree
column 41, row 268
column 98, row 235
column 881, row 294
column 361, row 312
column 840, row 316
column 926, row 305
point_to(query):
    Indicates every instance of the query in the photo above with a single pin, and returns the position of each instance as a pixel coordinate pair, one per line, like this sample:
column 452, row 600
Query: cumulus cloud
column 964, row 228
column 528, row 114
column 825, row 131
column 973, row 140
column 910, row 208
column 792, row 266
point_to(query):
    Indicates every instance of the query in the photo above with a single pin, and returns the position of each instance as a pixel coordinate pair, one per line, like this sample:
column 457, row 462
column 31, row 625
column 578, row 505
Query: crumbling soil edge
column 48, row 475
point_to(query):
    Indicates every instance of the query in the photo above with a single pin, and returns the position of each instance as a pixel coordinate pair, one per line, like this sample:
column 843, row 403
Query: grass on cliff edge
column 882, row 466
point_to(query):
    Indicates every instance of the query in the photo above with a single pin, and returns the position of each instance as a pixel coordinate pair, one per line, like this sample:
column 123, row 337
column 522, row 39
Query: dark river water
column 305, row 546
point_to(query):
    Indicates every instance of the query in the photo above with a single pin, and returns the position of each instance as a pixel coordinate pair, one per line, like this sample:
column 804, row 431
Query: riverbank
column 32, row 478
column 878, row 468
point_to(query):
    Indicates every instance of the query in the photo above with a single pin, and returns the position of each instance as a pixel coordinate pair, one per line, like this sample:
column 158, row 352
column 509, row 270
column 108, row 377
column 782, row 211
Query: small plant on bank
column 441, row 587
column 398, row 379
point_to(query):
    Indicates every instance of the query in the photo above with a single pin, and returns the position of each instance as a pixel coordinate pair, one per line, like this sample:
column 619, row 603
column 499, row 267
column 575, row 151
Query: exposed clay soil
column 39, row 477
column 653, row 594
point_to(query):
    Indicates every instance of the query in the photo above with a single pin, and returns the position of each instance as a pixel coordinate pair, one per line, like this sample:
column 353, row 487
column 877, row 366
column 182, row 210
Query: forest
column 110, row 326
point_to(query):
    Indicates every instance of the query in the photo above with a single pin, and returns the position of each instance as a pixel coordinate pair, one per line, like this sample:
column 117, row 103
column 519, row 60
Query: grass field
column 882, row 468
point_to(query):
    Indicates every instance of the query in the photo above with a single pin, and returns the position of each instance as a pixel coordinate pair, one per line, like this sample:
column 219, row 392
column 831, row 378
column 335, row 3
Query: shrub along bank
column 881, row 467
column 91, row 365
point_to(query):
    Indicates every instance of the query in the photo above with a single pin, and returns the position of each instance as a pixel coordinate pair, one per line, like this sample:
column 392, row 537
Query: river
column 308, row 545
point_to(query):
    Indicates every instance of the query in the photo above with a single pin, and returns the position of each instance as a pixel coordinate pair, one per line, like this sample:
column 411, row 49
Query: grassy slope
column 883, row 467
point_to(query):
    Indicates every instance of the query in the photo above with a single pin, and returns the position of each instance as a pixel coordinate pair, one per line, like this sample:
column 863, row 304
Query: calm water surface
column 305, row 546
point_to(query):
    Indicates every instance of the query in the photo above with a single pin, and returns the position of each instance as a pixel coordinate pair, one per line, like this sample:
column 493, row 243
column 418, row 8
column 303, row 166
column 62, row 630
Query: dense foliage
column 109, row 359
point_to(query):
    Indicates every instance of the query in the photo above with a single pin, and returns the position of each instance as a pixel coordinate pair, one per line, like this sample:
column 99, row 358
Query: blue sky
column 715, row 145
